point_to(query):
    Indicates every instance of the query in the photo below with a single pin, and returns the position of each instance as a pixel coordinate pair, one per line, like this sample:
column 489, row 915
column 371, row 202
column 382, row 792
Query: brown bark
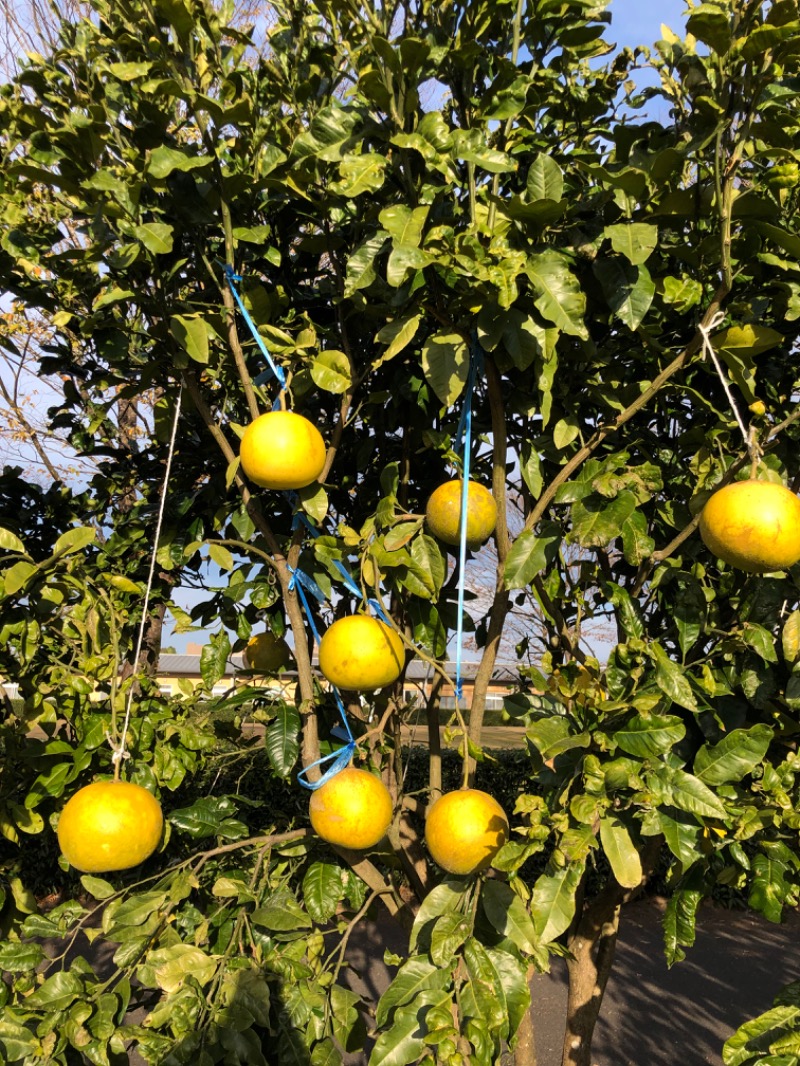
column 592, row 942
column 525, row 1051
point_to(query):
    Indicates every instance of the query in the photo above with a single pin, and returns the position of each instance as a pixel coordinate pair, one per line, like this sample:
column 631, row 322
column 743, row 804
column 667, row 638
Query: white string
column 120, row 752
column 708, row 347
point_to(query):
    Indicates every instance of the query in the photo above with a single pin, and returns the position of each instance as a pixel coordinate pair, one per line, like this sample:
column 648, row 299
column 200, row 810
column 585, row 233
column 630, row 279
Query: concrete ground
column 651, row 1015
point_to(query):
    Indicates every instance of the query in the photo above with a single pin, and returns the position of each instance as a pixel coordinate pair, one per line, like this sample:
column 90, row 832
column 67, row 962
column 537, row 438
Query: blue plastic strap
column 298, row 583
column 301, row 520
column 341, row 759
column 464, row 433
column 274, row 369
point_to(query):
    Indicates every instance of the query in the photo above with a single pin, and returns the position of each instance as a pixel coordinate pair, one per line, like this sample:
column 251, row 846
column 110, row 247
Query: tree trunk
column 525, row 1051
column 593, row 947
column 593, row 941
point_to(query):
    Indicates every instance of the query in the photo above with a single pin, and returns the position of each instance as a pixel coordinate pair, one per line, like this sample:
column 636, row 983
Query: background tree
column 535, row 223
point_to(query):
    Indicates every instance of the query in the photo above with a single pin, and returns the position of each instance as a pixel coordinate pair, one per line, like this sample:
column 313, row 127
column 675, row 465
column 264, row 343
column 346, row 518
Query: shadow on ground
column 654, row 1016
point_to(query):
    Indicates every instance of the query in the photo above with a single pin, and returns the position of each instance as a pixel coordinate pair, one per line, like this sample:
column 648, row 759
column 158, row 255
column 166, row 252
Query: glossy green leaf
column 560, row 298
column 74, row 540
column 648, row 737
column 635, row 240
column 191, row 333
column 330, row 371
column 282, row 740
column 507, row 913
column 445, row 361
column 629, row 290
column 553, row 903
column 545, row 179
column 621, row 851
column 530, row 554
column 735, row 756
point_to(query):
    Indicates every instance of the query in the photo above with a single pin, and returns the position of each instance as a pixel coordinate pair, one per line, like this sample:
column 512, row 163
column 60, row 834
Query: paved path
column 651, row 1016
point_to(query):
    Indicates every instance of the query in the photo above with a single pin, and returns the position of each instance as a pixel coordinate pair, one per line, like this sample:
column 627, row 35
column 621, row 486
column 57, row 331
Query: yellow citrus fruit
column 267, row 654
column 353, row 809
column 282, row 450
column 443, row 513
column 464, row 830
column 753, row 525
column 109, row 825
column 361, row 653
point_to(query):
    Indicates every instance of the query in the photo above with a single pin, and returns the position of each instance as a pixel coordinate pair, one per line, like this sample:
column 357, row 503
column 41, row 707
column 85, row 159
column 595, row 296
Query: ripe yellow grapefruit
column 464, row 830
column 267, row 654
column 282, row 450
column 753, row 525
column 353, row 809
column 109, row 825
column 361, row 653
column 443, row 513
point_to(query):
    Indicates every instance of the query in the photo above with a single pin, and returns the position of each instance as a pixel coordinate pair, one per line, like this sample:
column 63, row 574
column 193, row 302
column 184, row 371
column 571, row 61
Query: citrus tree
column 456, row 243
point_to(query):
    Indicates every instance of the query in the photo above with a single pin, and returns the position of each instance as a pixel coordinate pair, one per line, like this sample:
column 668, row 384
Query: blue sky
column 639, row 21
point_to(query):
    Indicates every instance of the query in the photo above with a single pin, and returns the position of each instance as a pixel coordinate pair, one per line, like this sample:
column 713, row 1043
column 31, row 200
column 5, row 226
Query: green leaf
column 403, row 260
column 129, row 71
column 679, row 922
column 191, row 333
column 560, row 298
column 770, row 890
column 330, row 371
column 447, row 935
column 282, row 740
column 735, row 756
column 790, row 637
column 397, row 335
column 404, row 225
column 163, row 161
column 442, row 899
column 220, row 555
column 629, row 290
column 751, row 1043
column 323, row 890
column 545, row 179
column 445, row 362
column 214, row 658
column 637, row 544
column 74, row 540
column 9, row 542
column 671, row 679
column 97, row 887
column 651, row 736
column 507, row 913
column 417, row 974
column 17, row 958
column 761, row 641
column 530, row 554
column 553, row 903
column 429, row 563
column 361, row 266
column 57, row 993
column 208, row 816
column 690, row 794
column 400, row 1045
column 596, row 522
column 171, row 966
column 711, row 25
column 621, row 851
column 157, row 237
column 635, row 240
column 281, row 913
column 360, row 174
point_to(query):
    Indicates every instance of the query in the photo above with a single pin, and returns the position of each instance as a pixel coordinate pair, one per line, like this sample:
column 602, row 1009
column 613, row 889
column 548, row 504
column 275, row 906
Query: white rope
column 119, row 752
column 748, row 435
